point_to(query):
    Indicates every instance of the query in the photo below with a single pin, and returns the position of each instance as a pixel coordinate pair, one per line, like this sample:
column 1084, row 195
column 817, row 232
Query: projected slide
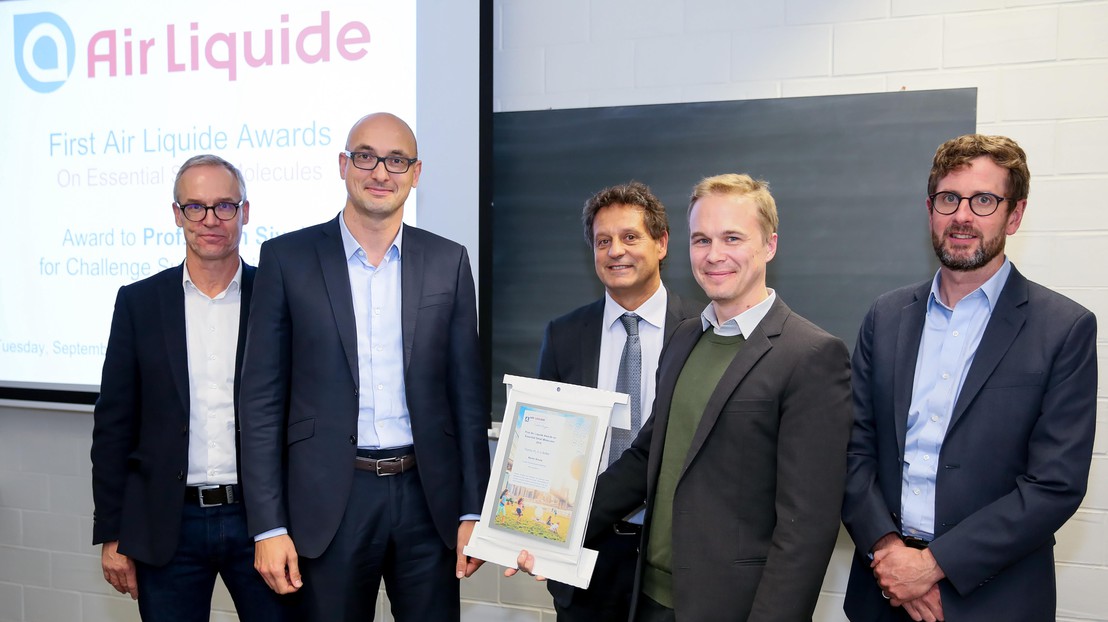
column 104, row 100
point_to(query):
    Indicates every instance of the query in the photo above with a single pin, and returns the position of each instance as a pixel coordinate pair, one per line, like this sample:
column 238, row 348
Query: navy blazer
column 756, row 508
column 140, row 434
column 1014, row 463
column 571, row 353
column 300, row 384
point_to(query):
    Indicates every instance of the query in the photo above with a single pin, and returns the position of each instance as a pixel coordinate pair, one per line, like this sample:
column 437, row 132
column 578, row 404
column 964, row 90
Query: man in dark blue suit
column 165, row 474
column 975, row 406
column 365, row 416
column 628, row 231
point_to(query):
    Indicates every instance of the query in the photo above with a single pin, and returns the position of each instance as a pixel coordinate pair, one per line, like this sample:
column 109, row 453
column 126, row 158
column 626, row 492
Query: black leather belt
column 914, row 543
column 624, row 528
column 382, row 462
column 213, row 495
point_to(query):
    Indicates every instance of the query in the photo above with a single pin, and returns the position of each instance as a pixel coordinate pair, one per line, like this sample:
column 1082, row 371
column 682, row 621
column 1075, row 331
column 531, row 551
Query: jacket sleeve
column 866, row 515
column 115, row 423
column 263, row 397
column 466, row 389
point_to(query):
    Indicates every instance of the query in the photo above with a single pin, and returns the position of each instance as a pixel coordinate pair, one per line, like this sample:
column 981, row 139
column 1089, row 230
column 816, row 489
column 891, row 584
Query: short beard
column 986, row 252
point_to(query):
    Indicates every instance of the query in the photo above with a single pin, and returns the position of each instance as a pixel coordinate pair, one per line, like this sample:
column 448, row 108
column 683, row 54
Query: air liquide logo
column 44, row 50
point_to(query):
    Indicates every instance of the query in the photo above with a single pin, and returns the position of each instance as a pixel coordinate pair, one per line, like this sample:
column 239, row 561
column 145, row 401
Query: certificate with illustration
column 543, row 477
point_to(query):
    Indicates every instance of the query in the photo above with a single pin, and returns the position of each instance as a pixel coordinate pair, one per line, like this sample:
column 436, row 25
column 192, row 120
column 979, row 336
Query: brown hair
column 635, row 194
column 958, row 152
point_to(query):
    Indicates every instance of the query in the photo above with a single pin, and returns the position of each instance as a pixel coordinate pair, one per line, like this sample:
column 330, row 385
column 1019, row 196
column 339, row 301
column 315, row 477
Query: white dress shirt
column 613, row 336
column 211, row 338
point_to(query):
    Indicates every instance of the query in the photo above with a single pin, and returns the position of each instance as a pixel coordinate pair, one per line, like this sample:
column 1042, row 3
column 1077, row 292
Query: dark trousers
column 650, row 610
column 213, row 541
column 608, row 598
column 387, row 533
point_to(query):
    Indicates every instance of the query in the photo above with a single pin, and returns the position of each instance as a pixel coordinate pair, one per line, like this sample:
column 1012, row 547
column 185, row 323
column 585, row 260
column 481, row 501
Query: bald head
column 386, row 123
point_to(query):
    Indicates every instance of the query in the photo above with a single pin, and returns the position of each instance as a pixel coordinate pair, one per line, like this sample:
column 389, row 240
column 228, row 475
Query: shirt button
column 934, row 417
column 377, row 311
column 212, row 445
column 212, row 472
column 379, row 348
column 946, row 376
column 380, row 387
column 915, row 491
column 955, row 333
column 211, row 329
column 926, row 457
column 214, row 386
column 211, row 357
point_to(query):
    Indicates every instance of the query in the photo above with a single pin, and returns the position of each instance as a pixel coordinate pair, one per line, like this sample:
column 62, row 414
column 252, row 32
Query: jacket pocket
column 305, row 428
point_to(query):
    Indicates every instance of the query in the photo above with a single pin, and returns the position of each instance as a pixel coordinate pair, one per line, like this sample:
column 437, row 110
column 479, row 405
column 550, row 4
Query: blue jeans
column 213, row 541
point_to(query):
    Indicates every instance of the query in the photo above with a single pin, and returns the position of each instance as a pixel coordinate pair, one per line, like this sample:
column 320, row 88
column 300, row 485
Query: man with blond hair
column 975, row 400
column 741, row 465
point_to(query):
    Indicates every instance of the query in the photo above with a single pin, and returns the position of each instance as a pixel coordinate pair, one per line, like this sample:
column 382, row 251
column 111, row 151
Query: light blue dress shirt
column 946, row 350
column 383, row 419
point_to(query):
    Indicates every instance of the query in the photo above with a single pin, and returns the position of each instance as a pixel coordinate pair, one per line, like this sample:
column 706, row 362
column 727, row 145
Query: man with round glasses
column 168, row 499
column 975, row 407
column 364, row 410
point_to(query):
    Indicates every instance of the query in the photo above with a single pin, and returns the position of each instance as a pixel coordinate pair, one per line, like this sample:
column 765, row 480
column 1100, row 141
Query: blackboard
column 848, row 172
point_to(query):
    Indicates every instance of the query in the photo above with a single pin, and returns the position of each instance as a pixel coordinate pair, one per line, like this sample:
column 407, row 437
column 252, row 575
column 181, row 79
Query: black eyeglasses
column 367, row 161
column 197, row 212
column 981, row 204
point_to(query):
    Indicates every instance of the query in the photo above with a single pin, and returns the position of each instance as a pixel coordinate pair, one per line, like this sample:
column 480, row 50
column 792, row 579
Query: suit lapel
column 245, row 291
column 756, row 346
column 669, row 370
column 1004, row 325
column 336, row 278
column 673, row 316
column 592, row 332
column 411, row 288
column 171, row 299
column 907, row 351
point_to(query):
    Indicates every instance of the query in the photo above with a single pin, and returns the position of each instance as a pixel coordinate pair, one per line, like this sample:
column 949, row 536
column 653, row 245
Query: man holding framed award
column 742, row 463
column 627, row 229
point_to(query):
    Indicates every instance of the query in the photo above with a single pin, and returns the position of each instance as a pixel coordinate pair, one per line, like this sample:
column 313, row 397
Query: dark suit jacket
column 300, row 384
column 571, row 353
column 1014, row 463
column 140, row 434
column 756, row 510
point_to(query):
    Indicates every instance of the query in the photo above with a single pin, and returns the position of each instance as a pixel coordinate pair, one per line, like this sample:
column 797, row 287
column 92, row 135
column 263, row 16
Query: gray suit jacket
column 300, row 384
column 756, row 509
column 1014, row 463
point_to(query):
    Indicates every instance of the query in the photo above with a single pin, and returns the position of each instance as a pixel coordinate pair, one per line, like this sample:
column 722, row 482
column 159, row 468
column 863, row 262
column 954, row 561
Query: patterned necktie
column 629, row 381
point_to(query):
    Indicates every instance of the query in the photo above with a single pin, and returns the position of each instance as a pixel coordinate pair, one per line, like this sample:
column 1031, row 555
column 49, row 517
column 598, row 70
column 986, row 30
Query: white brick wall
column 1041, row 70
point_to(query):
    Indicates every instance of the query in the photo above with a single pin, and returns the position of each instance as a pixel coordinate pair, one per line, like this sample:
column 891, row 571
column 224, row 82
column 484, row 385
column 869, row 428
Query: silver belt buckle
column 200, row 492
column 377, row 465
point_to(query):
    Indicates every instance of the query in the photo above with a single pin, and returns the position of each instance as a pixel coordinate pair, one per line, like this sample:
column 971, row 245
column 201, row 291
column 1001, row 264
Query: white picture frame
column 543, row 477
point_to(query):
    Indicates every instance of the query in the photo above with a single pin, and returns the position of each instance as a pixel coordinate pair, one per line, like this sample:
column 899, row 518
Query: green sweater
column 699, row 377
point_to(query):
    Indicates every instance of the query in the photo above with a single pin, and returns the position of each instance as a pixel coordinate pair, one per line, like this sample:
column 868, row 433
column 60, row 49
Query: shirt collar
column 743, row 323
column 991, row 288
column 350, row 246
column 186, row 280
column 653, row 311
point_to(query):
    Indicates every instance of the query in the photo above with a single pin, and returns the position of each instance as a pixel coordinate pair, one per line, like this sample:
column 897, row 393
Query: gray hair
column 208, row 159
